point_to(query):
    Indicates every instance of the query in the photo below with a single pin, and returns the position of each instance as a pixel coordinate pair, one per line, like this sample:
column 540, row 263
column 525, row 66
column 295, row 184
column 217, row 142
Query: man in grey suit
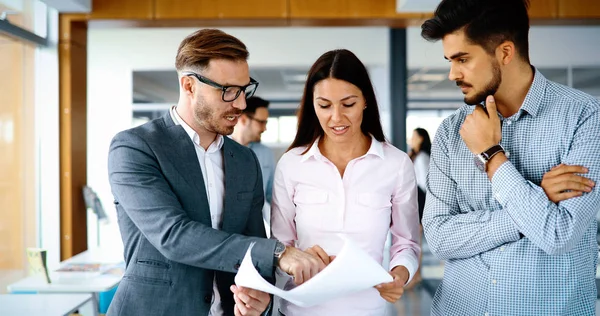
column 189, row 200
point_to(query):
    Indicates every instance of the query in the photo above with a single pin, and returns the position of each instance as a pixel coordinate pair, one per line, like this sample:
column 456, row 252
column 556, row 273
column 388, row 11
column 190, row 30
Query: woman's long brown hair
column 339, row 64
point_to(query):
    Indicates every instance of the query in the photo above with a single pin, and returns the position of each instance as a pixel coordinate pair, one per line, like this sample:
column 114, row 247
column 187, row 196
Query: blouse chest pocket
column 371, row 215
column 374, row 200
column 313, row 210
column 310, row 197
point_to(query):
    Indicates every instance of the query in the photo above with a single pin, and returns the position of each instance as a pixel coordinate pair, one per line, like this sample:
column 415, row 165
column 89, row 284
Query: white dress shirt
column 211, row 163
column 421, row 168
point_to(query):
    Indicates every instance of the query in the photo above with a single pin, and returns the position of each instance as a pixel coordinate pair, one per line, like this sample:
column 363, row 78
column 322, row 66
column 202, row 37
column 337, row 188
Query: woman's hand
column 393, row 291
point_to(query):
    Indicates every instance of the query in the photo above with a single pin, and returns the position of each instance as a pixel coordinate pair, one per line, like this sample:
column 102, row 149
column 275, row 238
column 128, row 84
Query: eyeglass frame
column 263, row 122
column 222, row 87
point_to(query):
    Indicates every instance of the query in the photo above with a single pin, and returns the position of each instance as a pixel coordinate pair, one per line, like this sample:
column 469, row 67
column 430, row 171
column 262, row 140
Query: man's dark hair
column 254, row 103
column 486, row 23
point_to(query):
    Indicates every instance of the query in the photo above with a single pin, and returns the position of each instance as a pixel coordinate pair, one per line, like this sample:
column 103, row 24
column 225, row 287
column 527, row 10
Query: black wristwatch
column 481, row 160
column 279, row 250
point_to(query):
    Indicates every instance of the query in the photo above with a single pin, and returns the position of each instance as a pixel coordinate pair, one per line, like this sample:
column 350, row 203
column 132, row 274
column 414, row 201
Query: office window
column 587, row 79
column 271, row 135
column 280, row 130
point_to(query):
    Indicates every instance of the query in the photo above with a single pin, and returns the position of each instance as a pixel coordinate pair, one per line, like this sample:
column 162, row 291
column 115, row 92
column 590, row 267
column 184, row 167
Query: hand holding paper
column 392, row 291
column 353, row 270
column 249, row 302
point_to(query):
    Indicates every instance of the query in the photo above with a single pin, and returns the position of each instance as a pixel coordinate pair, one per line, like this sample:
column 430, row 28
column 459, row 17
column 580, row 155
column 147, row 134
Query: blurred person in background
column 420, row 150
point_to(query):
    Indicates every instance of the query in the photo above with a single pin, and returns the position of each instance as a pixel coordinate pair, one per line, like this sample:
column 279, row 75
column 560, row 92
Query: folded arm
column 554, row 228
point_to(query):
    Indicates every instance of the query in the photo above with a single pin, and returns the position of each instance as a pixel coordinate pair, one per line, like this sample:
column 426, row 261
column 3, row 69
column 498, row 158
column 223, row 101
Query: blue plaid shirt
column 475, row 224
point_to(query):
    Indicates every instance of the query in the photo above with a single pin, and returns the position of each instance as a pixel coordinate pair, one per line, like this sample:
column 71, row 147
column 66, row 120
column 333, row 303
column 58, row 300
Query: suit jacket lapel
column 233, row 171
column 183, row 156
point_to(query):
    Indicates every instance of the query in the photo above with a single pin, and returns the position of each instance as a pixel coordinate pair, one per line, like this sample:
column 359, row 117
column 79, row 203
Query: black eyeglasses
column 230, row 93
column 263, row 122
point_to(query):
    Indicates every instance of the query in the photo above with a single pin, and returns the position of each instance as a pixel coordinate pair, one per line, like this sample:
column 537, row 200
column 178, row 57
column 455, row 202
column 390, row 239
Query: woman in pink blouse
column 341, row 176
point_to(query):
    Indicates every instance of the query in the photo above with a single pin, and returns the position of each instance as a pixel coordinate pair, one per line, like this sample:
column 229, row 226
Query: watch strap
column 492, row 151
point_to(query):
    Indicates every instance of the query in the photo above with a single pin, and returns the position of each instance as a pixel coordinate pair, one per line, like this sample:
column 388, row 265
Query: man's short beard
column 490, row 89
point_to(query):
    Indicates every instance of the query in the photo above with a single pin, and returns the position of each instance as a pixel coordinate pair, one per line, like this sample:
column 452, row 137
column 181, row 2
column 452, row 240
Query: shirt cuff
column 409, row 261
column 505, row 229
column 504, row 181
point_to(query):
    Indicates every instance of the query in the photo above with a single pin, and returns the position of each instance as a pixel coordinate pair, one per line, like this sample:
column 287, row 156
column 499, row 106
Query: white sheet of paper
column 352, row 270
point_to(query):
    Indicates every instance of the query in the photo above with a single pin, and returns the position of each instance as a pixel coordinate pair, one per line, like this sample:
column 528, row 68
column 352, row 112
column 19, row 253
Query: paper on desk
column 352, row 270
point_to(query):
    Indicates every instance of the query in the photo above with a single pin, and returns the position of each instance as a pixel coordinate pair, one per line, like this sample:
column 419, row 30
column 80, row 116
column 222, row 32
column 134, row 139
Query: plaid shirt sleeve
column 450, row 233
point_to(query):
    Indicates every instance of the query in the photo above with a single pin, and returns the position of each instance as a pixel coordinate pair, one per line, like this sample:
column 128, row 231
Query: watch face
column 279, row 249
column 480, row 162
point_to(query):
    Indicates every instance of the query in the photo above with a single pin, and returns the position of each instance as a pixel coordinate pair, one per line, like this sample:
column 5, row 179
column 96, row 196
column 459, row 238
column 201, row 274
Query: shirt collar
column 375, row 149
column 218, row 143
column 313, row 151
column 535, row 96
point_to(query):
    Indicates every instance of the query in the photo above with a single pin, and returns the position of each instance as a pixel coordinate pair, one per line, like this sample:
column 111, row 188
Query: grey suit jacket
column 172, row 254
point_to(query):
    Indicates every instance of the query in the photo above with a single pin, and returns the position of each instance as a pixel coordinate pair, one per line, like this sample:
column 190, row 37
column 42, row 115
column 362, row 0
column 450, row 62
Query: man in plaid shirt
column 511, row 198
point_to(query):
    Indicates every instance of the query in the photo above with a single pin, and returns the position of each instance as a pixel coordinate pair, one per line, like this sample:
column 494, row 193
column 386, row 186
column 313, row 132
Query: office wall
column 550, row 46
column 17, row 152
column 29, row 199
column 114, row 53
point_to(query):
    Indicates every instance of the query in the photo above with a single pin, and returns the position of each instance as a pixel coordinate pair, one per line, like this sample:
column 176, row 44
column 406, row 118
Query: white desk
column 47, row 304
column 72, row 284
column 98, row 255
column 75, row 282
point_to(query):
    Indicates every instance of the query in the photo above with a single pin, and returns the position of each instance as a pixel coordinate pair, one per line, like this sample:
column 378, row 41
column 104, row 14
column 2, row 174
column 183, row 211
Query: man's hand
column 299, row 264
column 481, row 130
column 562, row 182
column 392, row 291
column 318, row 252
column 249, row 302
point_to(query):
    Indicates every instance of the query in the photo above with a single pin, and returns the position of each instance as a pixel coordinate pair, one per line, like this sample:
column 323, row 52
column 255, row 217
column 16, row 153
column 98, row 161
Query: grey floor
column 417, row 301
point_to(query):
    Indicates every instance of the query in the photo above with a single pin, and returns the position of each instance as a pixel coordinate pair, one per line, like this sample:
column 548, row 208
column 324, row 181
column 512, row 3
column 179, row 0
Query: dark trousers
column 421, row 201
